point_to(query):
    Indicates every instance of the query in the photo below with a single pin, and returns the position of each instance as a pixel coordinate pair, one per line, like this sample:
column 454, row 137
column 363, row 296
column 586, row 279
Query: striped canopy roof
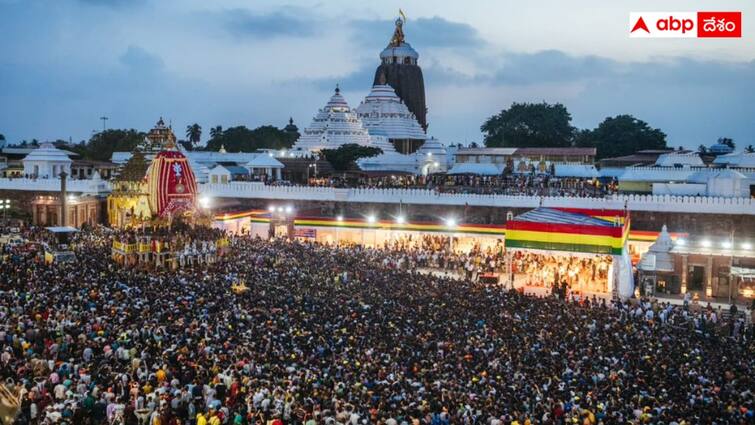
column 569, row 229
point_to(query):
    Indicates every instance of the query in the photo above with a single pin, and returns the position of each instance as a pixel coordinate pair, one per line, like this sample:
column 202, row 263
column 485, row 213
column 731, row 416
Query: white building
column 736, row 160
column 47, row 161
column 384, row 114
column 679, row 159
column 336, row 125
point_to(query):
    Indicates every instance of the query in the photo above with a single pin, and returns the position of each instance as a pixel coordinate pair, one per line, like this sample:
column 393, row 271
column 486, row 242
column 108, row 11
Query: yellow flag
column 401, row 12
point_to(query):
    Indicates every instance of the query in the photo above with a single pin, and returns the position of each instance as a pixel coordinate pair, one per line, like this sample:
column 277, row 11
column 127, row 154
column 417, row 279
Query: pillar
column 63, row 198
column 684, row 275
column 709, row 277
column 277, row 173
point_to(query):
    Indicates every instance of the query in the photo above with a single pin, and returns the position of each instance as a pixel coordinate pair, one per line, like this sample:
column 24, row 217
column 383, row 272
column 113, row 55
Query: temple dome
column 383, row 113
column 433, row 147
column 335, row 125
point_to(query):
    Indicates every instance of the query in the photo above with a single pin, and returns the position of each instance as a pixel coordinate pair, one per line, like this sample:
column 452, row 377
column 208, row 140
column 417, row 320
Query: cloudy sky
column 65, row 63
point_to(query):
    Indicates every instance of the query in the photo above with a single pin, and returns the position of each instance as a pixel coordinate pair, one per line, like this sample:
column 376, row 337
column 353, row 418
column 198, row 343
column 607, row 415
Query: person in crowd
column 345, row 335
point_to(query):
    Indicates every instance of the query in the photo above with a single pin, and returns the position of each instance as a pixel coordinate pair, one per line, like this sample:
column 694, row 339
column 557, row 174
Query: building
column 88, row 169
column 47, row 161
column 714, row 270
column 384, row 114
column 227, row 173
column 639, row 158
column 399, row 69
column 335, row 125
column 80, row 210
column 736, row 160
column 161, row 138
column 720, row 148
column 518, row 160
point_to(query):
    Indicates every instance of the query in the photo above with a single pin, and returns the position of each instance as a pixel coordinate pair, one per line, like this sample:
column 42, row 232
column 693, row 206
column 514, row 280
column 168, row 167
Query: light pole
column 5, row 206
column 451, row 225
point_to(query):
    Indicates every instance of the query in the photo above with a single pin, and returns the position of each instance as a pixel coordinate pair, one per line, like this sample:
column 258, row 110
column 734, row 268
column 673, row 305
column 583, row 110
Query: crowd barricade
column 162, row 254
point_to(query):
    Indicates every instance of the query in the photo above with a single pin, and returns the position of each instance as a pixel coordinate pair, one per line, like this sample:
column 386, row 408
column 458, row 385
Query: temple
column 384, row 114
column 336, row 125
column 399, row 69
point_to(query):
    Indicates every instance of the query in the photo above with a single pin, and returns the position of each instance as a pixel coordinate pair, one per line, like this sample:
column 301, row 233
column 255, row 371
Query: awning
column 573, row 230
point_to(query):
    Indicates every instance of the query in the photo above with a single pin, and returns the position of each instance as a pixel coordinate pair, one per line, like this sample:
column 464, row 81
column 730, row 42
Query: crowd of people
column 440, row 252
column 346, row 335
column 557, row 272
column 512, row 184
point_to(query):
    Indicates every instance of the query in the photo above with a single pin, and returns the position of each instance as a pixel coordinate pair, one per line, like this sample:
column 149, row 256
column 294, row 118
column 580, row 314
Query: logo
column 719, row 24
column 640, row 25
column 685, row 24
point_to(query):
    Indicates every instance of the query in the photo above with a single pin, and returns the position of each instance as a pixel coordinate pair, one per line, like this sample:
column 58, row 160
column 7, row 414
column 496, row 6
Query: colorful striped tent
column 569, row 229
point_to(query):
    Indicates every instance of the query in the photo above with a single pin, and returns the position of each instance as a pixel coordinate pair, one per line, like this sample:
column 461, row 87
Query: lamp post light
column 451, row 225
column 5, row 206
column 204, row 202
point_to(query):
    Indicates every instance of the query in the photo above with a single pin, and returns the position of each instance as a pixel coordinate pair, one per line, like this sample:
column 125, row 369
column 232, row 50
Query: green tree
column 102, row 145
column 727, row 141
column 702, row 150
column 2, row 137
column 750, row 149
column 529, row 125
column 216, row 131
column 346, row 155
column 194, row 133
column 621, row 135
column 242, row 139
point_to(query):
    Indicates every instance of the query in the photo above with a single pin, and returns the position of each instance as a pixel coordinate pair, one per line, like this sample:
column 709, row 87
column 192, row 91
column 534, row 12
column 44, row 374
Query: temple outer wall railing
column 660, row 203
column 53, row 185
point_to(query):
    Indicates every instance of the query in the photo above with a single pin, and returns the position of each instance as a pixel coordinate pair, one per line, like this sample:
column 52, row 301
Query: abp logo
column 685, row 24
column 663, row 24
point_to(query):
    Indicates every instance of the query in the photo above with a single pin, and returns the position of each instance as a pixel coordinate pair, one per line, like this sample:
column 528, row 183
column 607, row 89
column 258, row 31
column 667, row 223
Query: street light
column 400, row 219
column 726, row 244
column 204, row 202
column 705, row 243
column 5, row 206
column 371, row 219
column 271, row 208
column 289, row 209
column 746, row 245
column 451, row 224
column 339, row 218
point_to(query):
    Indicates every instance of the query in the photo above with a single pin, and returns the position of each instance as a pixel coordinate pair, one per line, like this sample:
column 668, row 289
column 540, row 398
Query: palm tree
column 216, row 131
column 750, row 149
column 194, row 133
